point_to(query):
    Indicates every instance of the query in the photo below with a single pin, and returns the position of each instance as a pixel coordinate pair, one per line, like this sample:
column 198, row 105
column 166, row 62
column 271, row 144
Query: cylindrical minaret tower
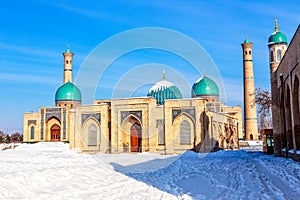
column 277, row 44
column 68, row 95
column 250, row 118
column 68, row 57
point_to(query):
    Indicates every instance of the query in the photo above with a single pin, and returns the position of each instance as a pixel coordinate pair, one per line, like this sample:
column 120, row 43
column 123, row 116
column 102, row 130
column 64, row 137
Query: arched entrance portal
column 135, row 138
column 55, row 133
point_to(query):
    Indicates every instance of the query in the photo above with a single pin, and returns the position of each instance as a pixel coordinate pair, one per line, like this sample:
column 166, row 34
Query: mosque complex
column 163, row 122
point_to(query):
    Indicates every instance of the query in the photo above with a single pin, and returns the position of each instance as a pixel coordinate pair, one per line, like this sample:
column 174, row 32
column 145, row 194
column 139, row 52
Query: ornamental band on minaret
column 250, row 118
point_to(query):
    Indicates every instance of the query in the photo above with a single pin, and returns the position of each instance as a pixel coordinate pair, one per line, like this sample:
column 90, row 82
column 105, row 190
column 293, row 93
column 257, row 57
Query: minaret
column 68, row 56
column 250, row 118
column 277, row 44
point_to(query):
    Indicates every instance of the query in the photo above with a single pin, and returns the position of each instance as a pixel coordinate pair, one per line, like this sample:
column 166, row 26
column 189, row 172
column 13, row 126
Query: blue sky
column 34, row 34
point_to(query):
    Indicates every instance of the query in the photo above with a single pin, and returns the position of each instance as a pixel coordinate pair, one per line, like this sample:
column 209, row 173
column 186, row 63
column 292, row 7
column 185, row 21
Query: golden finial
column 276, row 25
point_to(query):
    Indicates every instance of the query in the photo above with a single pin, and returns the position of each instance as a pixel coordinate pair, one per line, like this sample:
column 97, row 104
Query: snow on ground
column 51, row 171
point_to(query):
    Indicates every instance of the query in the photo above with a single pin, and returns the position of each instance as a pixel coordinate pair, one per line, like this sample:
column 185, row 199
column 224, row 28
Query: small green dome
column 277, row 37
column 163, row 90
column 205, row 87
column 68, row 92
column 247, row 40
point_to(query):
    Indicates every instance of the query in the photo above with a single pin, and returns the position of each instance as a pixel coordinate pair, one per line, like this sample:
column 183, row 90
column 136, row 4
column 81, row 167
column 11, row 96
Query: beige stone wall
column 235, row 112
column 81, row 119
column 31, row 120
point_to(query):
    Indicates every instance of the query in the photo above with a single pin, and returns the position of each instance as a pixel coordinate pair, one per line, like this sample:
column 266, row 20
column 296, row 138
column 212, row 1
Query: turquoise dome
column 163, row 90
column 68, row 92
column 246, row 40
column 205, row 87
column 277, row 37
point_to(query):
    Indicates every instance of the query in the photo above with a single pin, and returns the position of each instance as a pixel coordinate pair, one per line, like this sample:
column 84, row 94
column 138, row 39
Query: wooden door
column 55, row 133
column 135, row 138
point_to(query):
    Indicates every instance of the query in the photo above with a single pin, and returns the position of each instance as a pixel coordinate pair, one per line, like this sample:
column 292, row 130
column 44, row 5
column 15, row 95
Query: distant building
column 163, row 122
column 285, row 74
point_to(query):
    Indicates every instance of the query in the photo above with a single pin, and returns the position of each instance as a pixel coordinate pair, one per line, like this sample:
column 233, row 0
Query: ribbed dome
column 205, row 87
column 164, row 90
column 68, row 92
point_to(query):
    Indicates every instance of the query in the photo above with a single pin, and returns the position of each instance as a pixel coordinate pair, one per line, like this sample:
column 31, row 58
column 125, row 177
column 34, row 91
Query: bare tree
column 263, row 98
column 16, row 137
column 2, row 135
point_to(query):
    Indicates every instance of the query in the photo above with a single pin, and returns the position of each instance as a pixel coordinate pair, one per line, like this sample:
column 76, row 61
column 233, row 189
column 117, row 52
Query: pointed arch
column 185, row 132
column 278, row 55
column 131, row 118
column 131, row 134
column 55, row 133
column 91, row 134
column 271, row 55
column 288, row 117
column 52, row 134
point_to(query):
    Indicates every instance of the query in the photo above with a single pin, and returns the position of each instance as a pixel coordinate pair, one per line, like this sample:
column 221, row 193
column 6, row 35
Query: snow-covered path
column 225, row 175
column 51, row 171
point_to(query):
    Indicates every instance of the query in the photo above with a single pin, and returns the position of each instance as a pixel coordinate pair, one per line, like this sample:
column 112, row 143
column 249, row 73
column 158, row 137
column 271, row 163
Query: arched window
column 279, row 55
column 32, row 133
column 271, row 56
column 92, row 135
column 161, row 134
column 185, row 132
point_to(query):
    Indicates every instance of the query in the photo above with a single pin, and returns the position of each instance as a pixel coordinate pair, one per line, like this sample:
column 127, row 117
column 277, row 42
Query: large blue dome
column 163, row 90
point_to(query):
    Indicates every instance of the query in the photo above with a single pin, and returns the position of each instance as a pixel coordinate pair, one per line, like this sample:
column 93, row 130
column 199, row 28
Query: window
column 32, row 133
column 185, row 132
column 279, row 55
column 161, row 134
column 271, row 56
column 249, row 52
column 92, row 135
column 245, row 52
column 67, row 61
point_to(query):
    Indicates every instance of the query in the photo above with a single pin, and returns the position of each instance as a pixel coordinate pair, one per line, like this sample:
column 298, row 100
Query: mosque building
column 284, row 62
column 163, row 122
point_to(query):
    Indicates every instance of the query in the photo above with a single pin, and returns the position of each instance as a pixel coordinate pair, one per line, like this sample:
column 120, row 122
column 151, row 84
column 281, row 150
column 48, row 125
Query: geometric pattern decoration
column 31, row 122
column 53, row 112
column 189, row 111
column 137, row 114
column 96, row 116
